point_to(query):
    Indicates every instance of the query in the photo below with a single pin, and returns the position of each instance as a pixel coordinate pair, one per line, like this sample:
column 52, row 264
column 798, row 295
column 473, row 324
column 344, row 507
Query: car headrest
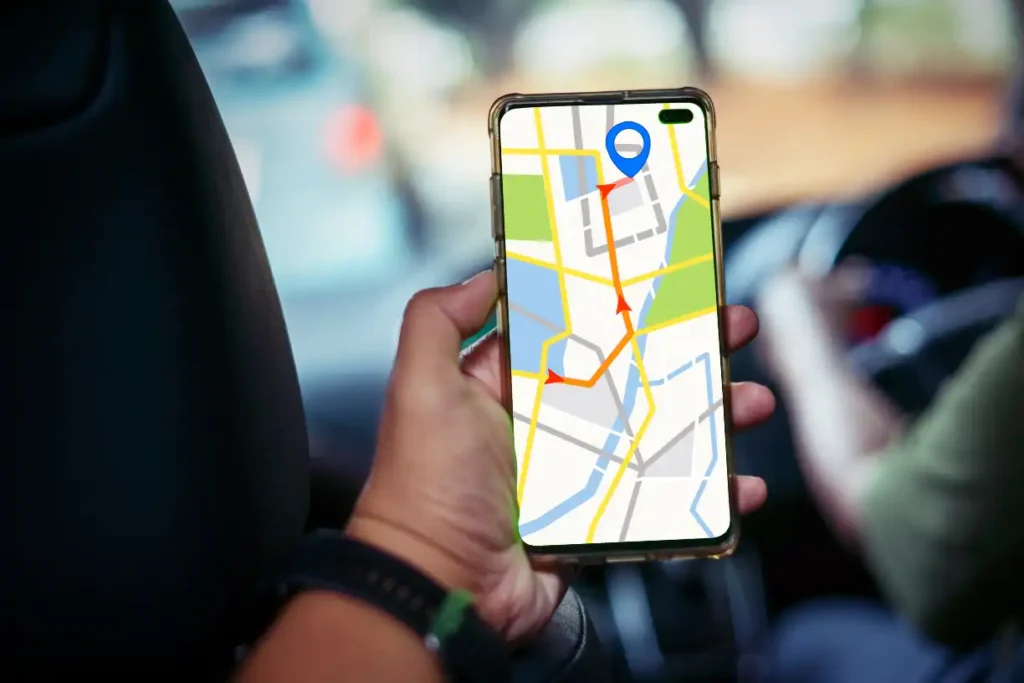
column 155, row 462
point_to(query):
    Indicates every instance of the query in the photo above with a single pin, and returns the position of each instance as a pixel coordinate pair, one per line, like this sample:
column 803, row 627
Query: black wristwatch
column 468, row 648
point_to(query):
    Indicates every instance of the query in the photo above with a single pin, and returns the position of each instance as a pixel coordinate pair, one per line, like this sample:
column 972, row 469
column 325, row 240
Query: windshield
column 360, row 125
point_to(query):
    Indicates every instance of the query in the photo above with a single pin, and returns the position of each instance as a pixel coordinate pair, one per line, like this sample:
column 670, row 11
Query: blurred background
column 360, row 124
column 360, row 127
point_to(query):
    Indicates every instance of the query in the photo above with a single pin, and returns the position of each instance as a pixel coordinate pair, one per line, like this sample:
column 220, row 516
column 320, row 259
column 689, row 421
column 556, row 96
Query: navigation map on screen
column 612, row 325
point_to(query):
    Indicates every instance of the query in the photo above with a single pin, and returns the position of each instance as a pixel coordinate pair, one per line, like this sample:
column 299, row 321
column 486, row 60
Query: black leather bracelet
column 469, row 649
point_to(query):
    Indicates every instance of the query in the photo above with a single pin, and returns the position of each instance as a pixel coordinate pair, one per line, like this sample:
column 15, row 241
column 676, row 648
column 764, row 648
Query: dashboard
column 891, row 290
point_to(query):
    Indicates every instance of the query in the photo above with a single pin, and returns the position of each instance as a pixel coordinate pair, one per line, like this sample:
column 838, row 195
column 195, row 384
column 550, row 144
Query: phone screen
column 613, row 325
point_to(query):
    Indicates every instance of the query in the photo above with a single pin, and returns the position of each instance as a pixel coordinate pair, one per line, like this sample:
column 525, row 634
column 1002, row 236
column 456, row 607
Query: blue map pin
column 629, row 166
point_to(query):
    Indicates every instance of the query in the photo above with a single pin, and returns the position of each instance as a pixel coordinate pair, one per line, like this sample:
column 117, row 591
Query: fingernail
column 476, row 276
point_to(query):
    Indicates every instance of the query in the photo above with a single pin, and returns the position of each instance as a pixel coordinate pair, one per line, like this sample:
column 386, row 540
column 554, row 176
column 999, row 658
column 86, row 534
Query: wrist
column 412, row 547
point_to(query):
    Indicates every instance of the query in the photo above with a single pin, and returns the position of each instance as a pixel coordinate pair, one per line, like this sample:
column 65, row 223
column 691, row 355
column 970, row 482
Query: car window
column 360, row 124
column 337, row 218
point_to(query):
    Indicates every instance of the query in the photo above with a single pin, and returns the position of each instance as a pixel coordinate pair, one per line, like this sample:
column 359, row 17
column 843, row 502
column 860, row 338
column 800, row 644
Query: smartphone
column 608, row 257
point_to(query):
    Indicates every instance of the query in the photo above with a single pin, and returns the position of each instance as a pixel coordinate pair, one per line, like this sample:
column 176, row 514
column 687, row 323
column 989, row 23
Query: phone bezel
column 631, row 551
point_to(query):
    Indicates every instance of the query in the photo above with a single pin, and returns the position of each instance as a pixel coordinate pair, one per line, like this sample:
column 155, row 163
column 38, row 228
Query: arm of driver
column 838, row 420
column 943, row 514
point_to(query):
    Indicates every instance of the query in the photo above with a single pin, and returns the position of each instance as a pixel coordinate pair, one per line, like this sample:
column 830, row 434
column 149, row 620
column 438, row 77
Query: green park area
column 693, row 288
column 526, row 208
column 693, row 235
column 683, row 292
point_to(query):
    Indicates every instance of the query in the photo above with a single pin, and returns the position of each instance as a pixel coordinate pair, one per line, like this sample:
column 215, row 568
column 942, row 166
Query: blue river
column 536, row 290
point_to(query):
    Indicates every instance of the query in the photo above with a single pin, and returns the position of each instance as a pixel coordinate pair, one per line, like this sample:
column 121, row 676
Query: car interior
column 159, row 461
column 163, row 460
column 934, row 293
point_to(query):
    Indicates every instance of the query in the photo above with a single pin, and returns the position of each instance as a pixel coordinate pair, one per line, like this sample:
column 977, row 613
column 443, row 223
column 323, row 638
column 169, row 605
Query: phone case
column 658, row 550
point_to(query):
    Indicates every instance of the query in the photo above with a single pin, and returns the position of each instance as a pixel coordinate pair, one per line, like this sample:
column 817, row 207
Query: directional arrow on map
column 622, row 306
column 607, row 188
column 553, row 377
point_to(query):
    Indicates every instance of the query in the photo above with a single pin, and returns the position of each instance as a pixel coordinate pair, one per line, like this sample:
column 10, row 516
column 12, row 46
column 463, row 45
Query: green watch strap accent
column 468, row 649
column 449, row 617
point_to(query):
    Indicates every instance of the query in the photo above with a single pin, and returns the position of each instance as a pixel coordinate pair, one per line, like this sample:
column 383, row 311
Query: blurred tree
column 1012, row 132
column 492, row 26
column 695, row 13
column 861, row 60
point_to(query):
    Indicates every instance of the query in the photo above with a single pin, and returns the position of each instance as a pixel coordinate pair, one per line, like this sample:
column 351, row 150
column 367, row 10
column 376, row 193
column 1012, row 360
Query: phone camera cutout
column 672, row 116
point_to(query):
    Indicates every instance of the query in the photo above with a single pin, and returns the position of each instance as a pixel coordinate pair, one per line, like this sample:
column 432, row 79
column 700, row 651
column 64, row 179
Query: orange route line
column 613, row 257
column 622, row 306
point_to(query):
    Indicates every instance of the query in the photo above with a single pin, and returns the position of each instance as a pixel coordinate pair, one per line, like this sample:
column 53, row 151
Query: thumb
column 437, row 320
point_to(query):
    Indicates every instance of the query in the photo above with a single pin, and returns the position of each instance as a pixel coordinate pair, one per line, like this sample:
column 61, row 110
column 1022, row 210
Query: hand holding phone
column 441, row 492
column 607, row 238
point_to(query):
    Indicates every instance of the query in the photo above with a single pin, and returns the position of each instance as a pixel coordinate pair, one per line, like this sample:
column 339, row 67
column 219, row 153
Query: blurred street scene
column 360, row 124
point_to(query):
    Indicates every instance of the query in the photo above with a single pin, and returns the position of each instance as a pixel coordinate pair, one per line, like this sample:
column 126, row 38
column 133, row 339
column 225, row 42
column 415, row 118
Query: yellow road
column 637, row 357
column 526, row 375
column 675, row 321
column 669, row 269
column 535, row 413
column 562, row 271
column 590, row 277
column 679, row 168
column 542, row 151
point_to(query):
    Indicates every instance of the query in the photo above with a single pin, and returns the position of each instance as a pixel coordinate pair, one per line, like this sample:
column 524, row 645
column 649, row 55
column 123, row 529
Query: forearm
column 838, row 423
column 838, row 420
column 944, row 515
column 325, row 637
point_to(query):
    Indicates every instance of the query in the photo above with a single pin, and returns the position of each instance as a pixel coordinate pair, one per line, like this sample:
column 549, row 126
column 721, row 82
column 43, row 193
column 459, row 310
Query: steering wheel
column 916, row 353
column 961, row 224
column 938, row 233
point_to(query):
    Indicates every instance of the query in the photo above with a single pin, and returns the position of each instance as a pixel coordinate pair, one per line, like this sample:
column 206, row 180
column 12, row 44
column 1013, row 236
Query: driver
column 935, row 508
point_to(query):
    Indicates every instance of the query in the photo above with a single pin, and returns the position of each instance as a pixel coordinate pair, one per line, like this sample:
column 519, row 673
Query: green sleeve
column 944, row 513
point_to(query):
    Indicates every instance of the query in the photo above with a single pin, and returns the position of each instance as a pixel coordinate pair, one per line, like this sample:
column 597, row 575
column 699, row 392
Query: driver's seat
column 155, row 464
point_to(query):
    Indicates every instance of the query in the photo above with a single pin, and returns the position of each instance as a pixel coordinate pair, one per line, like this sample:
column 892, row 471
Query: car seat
column 156, row 461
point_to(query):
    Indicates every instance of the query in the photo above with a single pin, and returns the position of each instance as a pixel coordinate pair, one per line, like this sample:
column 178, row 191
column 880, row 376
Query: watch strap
column 469, row 649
